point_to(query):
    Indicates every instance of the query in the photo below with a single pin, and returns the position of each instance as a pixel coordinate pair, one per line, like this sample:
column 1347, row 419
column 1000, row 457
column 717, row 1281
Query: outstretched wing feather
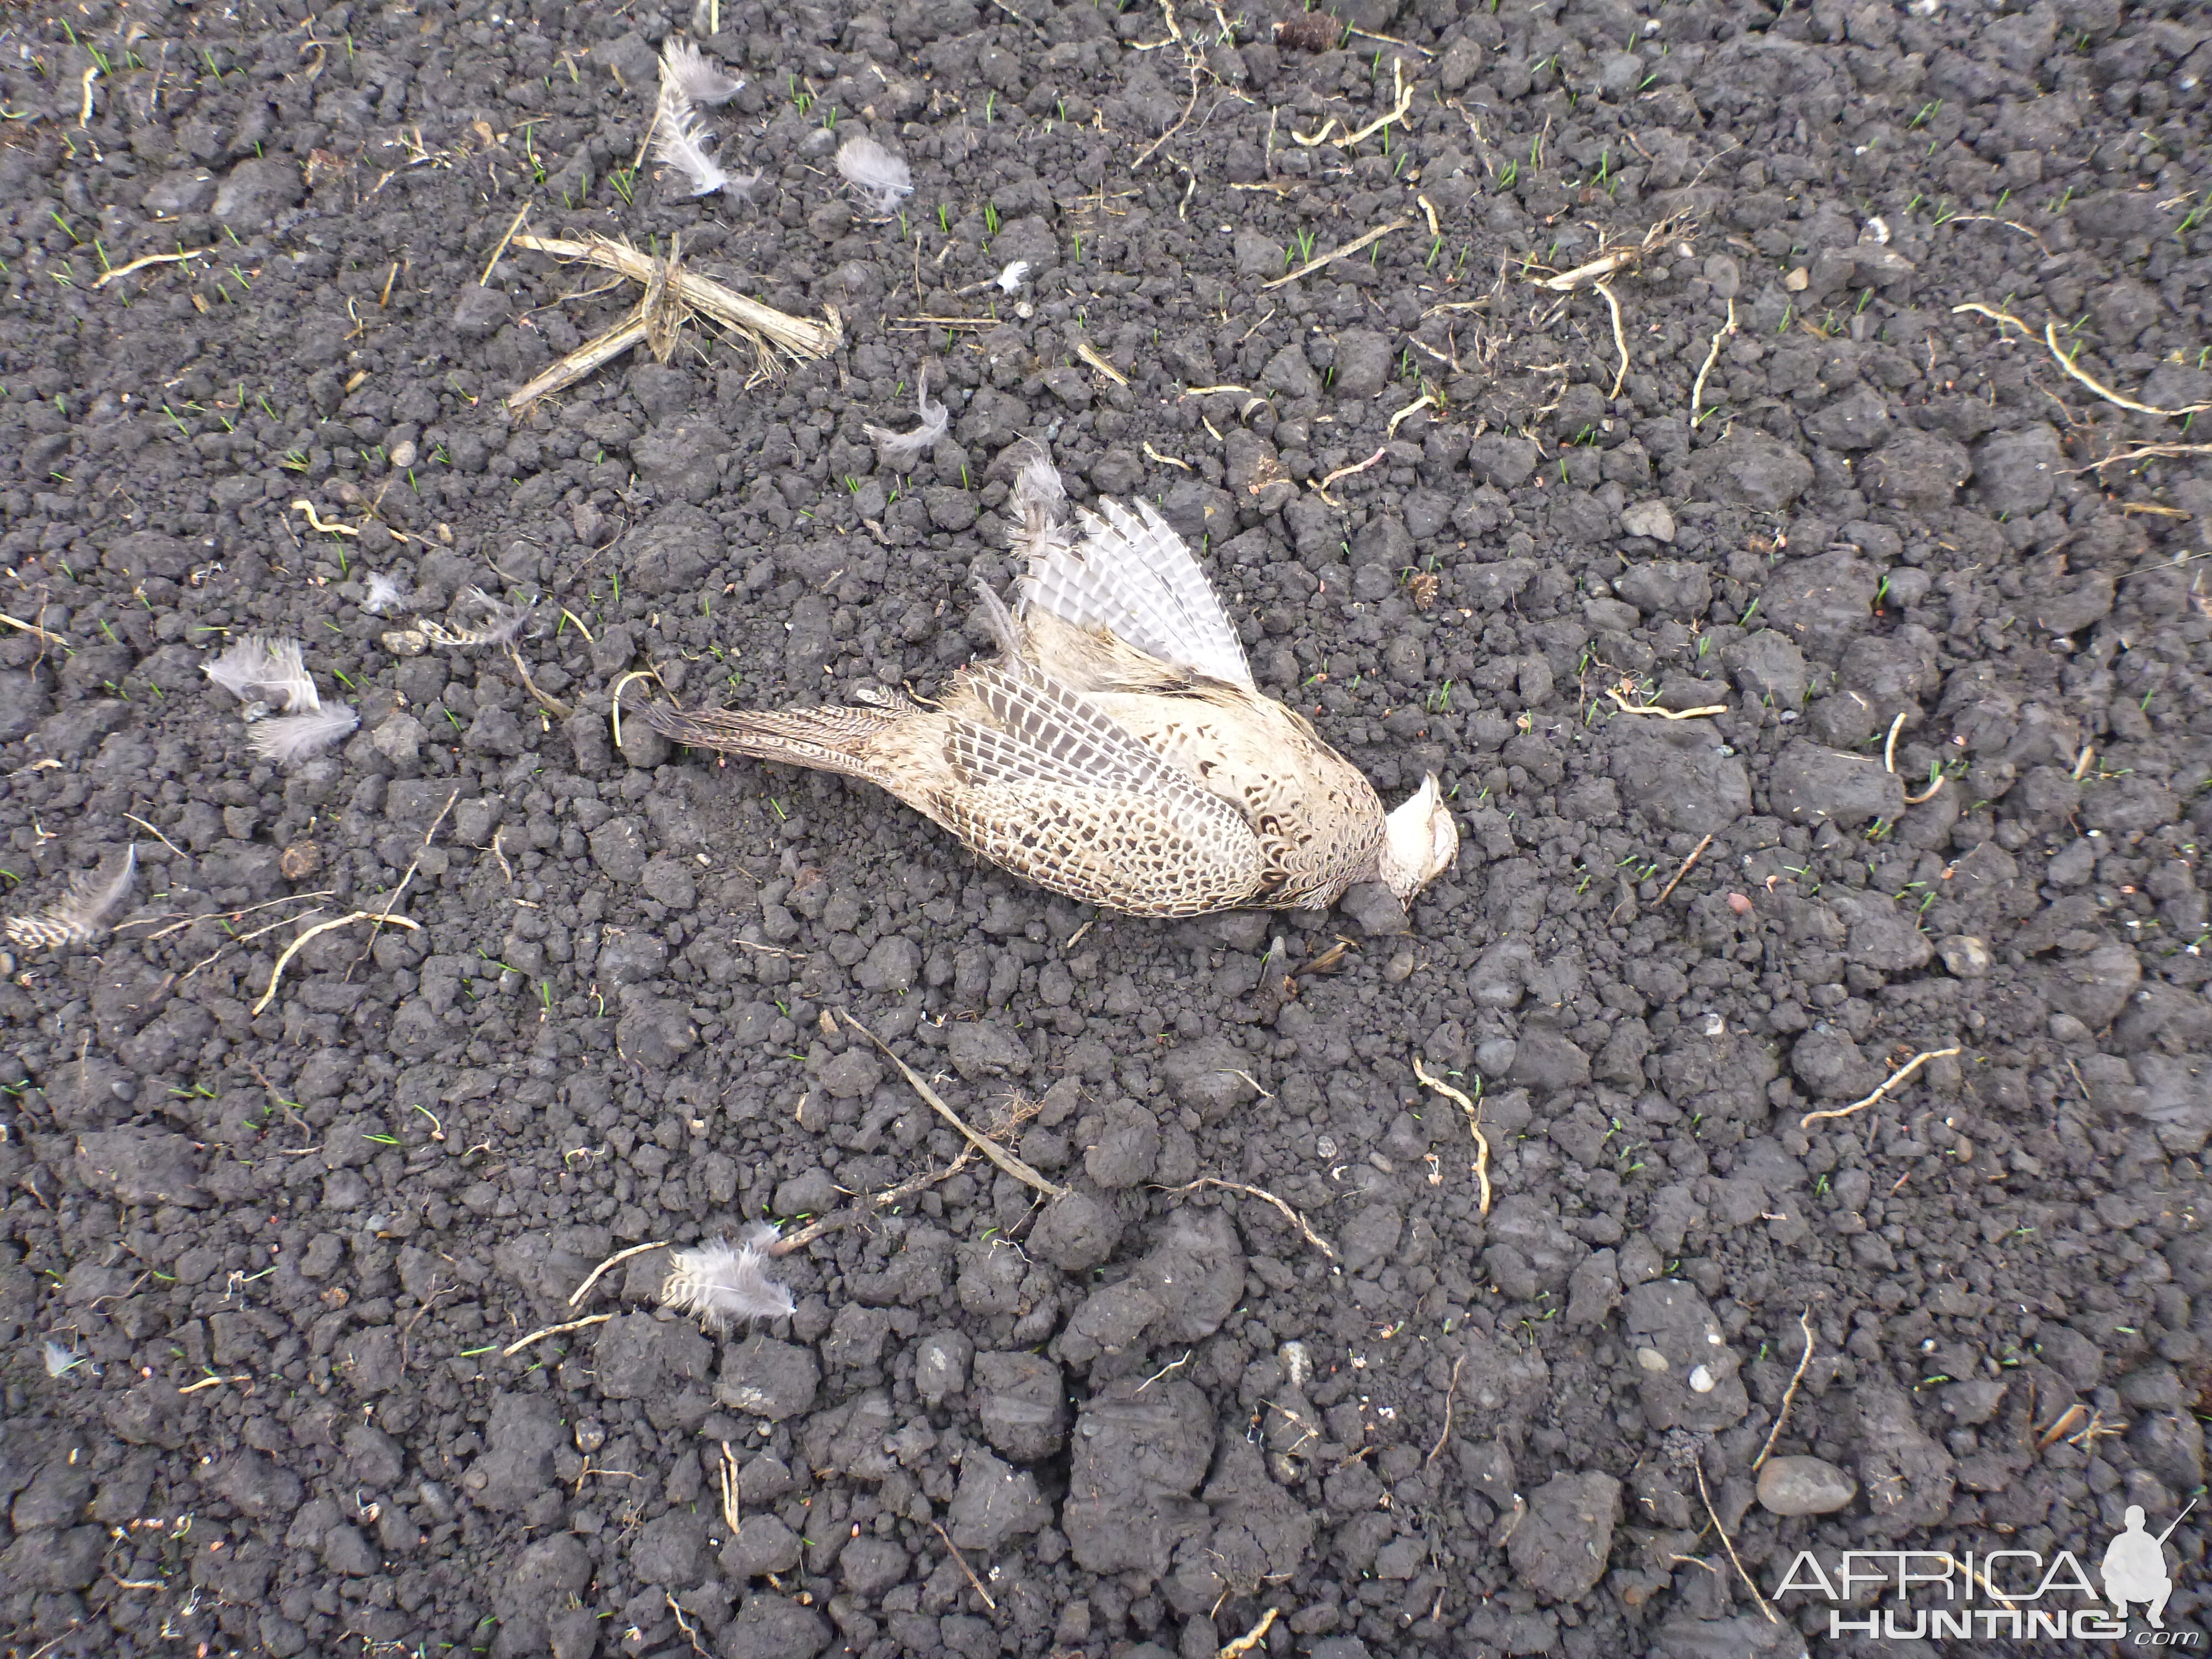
column 1134, row 577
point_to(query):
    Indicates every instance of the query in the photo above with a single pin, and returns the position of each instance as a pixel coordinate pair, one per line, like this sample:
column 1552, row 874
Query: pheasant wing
column 1134, row 577
column 1049, row 787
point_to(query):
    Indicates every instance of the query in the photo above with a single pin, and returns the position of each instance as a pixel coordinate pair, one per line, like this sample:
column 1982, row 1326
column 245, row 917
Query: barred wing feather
column 1051, row 786
column 1133, row 577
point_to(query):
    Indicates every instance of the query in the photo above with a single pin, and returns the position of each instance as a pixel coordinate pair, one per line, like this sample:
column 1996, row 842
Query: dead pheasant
column 1118, row 752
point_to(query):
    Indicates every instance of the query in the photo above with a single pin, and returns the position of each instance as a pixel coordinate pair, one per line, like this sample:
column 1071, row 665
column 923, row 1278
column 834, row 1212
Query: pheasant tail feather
column 827, row 739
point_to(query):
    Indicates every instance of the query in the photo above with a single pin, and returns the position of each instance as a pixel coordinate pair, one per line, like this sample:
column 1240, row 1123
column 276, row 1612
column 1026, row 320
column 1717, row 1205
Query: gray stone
column 1374, row 909
column 618, row 848
column 1128, row 1145
column 1827, row 1061
column 1767, row 666
column 1908, row 1478
column 1803, row 1485
column 1677, row 775
column 1821, row 603
column 1076, row 1232
column 175, row 194
column 1667, row 587
column 1507, row 463
column 852, row 1075
column 1617, row 74
column 667, row 881
column 1966, row 957
column 774, row 1628
column 2088, row 601
column 671, row 1549
column 1289, row 373
column 1461, row 63
column 1020, row 1399
column 1652, row 518
column 2095, row 987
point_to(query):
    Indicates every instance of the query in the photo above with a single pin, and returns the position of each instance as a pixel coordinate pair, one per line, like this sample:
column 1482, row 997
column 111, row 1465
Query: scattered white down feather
column 257, row 669
column 501, row 624
column 1011, row 278
column 60, row 1361
column 720, row 1282
column 1038, row 491
column 899, row 450
column 683, row 66
column 883, row 178
column 80, row 914
column 679, row 143
column 291, row 738
column 1039, row 499
column 385, row 594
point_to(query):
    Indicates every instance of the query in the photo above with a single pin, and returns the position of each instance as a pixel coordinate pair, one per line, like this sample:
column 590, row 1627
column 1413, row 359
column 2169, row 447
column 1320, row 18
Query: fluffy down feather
column 685, row 67
column 720, row 1283
column 385, row 594
column 679, row 143
column 881, row 177
column 257, row 669
column 291, row 738
column 901, row 450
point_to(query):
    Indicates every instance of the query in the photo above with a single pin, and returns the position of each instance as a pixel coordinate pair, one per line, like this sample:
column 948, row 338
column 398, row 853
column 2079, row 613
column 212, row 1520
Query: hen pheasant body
column 1118, row 753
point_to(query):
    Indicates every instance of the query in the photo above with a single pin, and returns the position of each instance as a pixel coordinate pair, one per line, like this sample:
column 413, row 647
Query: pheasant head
column 1419, row 842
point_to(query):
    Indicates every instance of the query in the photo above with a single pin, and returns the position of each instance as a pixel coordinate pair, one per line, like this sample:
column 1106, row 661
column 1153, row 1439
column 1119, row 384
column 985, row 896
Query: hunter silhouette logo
column 2134, row 1567
column 2020, row 1594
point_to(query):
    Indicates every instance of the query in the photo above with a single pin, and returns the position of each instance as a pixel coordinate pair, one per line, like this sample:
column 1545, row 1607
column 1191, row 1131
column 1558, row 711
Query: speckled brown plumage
column 1119, row 752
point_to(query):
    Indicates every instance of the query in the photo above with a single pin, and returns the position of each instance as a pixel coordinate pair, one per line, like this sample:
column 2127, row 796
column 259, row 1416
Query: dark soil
column 281, row 1252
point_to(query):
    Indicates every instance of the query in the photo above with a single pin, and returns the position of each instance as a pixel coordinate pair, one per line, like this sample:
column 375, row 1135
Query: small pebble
column 1803, row 1485
column 1966, row 957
